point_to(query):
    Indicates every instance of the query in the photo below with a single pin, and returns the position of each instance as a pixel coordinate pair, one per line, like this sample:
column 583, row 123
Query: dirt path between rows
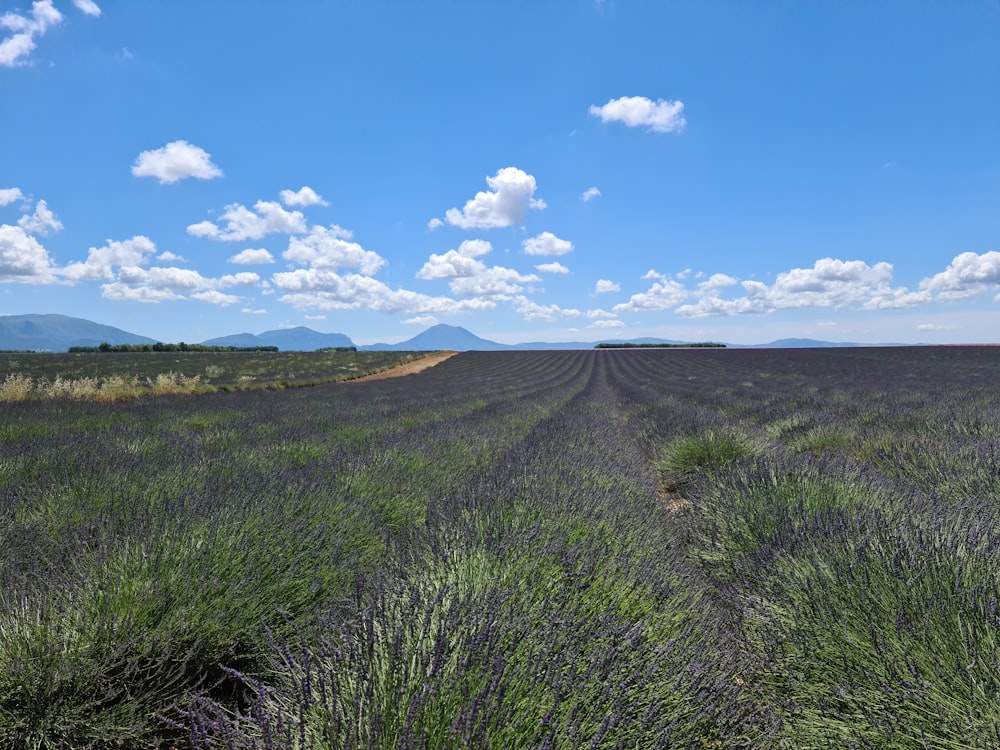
column 409, row 368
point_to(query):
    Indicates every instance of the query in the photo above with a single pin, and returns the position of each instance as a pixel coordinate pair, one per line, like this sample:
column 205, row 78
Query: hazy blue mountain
column 57, row 333
column 440, row 338
column 803, row 344
column 299, row 339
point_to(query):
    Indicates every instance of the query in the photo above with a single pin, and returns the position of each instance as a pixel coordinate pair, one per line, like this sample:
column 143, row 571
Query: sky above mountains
column 572, row 170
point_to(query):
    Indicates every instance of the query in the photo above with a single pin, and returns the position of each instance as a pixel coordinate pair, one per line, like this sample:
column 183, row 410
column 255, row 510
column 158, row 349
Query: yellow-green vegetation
column 110, row 377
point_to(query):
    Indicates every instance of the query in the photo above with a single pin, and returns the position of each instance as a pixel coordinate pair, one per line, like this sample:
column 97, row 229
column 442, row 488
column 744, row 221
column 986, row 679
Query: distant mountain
column 60, row 332
column 57, row 333
column 299, row 339
column 804, row 344
column 442, row 337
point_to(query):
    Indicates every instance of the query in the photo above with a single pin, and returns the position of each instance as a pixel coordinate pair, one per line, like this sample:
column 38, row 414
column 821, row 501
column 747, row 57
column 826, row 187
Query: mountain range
column 58, row 333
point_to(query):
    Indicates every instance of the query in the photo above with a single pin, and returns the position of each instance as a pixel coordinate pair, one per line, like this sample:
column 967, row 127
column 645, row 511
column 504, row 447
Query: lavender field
column 574, row 549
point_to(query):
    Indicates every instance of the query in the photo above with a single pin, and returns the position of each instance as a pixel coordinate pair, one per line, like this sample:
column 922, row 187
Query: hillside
column 59, row 333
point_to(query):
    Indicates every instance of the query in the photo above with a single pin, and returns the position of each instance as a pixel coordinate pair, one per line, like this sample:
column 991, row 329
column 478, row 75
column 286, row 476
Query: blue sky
column 579, row 170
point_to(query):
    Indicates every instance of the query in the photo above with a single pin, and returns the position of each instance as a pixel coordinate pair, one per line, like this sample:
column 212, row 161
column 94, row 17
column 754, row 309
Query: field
column 112, row 376
column 577, row 549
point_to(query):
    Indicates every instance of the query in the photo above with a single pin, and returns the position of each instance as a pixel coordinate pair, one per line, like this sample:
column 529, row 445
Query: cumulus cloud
column 422, row 320
column 534, row 311
column 9, row 195
column 434, row 223
column 661, row 116
column 450, row 265
column 124, row 293
column 240, row 223
column 546, row 243
column 665, row 293
column 22, row 258
column 168, row 257
column 589, row 194
column 829, row 283
column 306, row 196
column 123, row 265
column 604, row 286
column 244, row 278
column 101, row 262
column 41, row 222
column 510, row 196
column 216, row 298
column 252, row 311
column 330, row 247
column 607, row 324
column 552, row 268
column 15, row 49
column 599, row 313
column 325, row 289
column 251, row 256
column 87, row 6
column 470, row 277
column 160, row 284
column 968, row 274
column 492, row 282
column 176, row 161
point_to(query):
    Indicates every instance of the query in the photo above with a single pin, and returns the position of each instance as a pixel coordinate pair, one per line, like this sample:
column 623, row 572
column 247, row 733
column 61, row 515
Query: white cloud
column 42, row 222
column 126, row 293
column 101, row 261
column 168, row 257
column 604, row 286
column 552, row 268
column 599, row 313
column 244, row 278
column 829, row 283
column 216, row 298
column 457, row 263
column 589, row 194
column 661, row 116
column 160, row 284
column 546, row 243
column 663, row 294
column 716, row 282
column 534, row 311
column 607, row 324
column 176, row 161
column 251, row 311
column 968, row 274
column 9, row 195
column 450, row 265
column 422, row 320
column 164, row 277
column 329, row 248
column 268, row 217
column 22, row 257
column 122, row 265
column 492, row 282
column 324, row 289
column 937, row 327
column 251, row 257
column 15, row 48
column 434, row 224
column 306, row 196
column 507, row 202
column 88, row 6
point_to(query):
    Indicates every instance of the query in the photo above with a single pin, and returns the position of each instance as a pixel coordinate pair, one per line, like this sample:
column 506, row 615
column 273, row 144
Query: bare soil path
column 409, row 368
